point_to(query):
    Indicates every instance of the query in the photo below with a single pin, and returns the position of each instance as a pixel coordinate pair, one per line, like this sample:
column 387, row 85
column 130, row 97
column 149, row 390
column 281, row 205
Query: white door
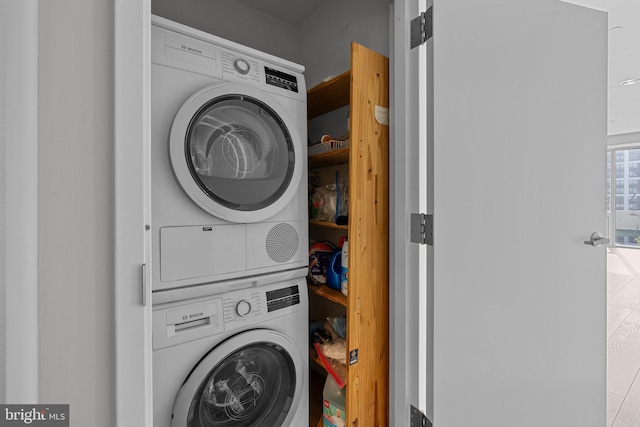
column 518, row 141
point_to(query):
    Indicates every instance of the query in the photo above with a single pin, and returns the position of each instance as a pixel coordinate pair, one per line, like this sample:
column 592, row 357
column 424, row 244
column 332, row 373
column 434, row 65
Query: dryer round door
column 254, row 379
column 236, row 152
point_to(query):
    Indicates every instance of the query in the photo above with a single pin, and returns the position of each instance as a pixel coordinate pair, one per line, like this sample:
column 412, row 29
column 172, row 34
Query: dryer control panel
column 242, row 68
column 281, row 79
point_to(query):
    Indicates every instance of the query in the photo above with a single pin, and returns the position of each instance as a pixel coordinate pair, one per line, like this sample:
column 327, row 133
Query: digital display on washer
column 282, row 298
column 280, row 79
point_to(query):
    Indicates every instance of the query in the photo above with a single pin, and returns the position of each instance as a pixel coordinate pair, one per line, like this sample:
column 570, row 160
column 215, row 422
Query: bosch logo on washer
column 192, row 316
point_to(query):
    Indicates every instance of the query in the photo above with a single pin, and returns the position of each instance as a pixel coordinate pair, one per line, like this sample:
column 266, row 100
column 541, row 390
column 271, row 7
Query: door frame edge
column 132, row 83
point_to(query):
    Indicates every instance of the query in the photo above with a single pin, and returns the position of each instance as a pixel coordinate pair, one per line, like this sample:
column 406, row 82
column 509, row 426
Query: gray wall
column 326, row 38
column 321, row 42
column 235, row 22
column 76, row 220
column 326, row 35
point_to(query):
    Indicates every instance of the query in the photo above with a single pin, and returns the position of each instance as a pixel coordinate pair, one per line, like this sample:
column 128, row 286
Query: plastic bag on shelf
column 335, row 349
column 334, row 368
column 342, row 194
column 317, row 333
column 338, row 324
column 324, row 203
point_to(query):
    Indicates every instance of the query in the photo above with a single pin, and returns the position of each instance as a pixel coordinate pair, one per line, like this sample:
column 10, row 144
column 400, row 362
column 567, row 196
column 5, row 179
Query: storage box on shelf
column 365, row 89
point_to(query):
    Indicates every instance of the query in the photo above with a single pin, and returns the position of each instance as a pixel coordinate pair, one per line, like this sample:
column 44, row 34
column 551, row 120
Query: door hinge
column 422, row 28
column 422, row 228
column 419, row 419
column 144, row 285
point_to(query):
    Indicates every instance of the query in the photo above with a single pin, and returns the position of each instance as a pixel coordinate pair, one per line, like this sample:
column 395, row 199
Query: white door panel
column 519, row 143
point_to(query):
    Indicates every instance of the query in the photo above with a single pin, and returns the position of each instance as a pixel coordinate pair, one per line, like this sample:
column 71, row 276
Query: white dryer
column 235, row 359
column 228, row 160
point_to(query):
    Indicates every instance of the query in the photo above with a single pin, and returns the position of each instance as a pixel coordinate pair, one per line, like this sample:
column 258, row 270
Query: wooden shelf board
column 328, row 293
column 328, row 224
column 328, row 96
column 330, row 158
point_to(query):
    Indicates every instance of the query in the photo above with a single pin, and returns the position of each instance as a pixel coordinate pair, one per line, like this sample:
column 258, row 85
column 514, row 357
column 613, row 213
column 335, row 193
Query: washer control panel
column 190, row 319
column 284, row 297
column 182, row 321
column 242, row 308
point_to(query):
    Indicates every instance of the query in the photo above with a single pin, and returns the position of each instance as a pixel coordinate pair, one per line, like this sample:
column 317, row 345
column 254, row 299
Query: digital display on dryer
column 282, row 298
column 281, row 79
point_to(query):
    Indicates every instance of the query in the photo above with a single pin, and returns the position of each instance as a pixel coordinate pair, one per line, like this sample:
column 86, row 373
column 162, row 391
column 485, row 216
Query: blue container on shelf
column 335, row 270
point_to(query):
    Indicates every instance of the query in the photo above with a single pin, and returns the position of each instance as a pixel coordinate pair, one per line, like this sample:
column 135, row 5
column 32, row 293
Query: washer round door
column 236, row 152
column 254, row 379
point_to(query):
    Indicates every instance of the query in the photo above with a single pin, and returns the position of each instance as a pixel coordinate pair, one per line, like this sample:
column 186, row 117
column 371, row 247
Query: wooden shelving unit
column 332, row 158
column 329, row 95
column 365, row 88
column 328, row 293
column 327, row 224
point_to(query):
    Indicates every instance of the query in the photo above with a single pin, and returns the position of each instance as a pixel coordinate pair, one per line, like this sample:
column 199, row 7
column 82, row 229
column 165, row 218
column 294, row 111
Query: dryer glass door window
column 253, row 386
column 239, row 152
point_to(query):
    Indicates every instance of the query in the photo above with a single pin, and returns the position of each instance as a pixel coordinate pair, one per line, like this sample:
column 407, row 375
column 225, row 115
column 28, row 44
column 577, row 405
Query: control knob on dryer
column 243, row 308
column 241, row 66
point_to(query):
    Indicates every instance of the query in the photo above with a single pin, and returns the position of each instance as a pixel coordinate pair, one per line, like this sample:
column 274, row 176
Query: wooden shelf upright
column 365, row 88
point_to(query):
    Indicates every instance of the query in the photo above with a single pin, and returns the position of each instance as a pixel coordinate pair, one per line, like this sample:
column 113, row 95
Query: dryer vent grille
column 282, row 242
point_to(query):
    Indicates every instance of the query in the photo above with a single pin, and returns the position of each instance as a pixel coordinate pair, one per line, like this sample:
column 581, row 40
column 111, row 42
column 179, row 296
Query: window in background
column 624, row 207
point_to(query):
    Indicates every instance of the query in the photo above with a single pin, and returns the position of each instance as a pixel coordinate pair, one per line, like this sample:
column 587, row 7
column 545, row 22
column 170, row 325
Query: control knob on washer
column 243, row 308
column 241, row 66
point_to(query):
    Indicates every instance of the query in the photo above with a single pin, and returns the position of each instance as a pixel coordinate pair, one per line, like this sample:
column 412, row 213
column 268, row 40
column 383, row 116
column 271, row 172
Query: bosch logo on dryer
column 191, row 49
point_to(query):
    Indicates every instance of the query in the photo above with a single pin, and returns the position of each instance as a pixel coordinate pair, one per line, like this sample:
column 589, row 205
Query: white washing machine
column 228, row 160
column 235, row 359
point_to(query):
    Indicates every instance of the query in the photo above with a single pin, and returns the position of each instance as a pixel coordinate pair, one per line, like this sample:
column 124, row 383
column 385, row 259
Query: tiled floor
column 623, row 337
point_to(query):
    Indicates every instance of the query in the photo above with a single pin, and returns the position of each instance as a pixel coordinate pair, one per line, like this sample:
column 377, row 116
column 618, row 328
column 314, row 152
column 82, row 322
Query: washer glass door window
column 240, row 152
column 253, row 386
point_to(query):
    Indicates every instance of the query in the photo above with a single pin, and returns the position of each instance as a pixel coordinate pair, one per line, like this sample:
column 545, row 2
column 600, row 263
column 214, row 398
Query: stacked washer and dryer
column 229, row 233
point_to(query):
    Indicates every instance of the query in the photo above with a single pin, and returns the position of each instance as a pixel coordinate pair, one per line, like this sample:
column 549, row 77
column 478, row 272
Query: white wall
column 19, row 200
column 3, row 112
column 76, row 172
column 76, row 221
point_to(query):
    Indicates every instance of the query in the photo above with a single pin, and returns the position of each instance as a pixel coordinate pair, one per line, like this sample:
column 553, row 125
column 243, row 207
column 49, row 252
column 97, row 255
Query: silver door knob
column 597, row 239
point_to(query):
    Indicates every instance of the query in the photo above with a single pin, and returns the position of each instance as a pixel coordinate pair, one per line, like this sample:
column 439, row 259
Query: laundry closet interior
column 343, row 47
